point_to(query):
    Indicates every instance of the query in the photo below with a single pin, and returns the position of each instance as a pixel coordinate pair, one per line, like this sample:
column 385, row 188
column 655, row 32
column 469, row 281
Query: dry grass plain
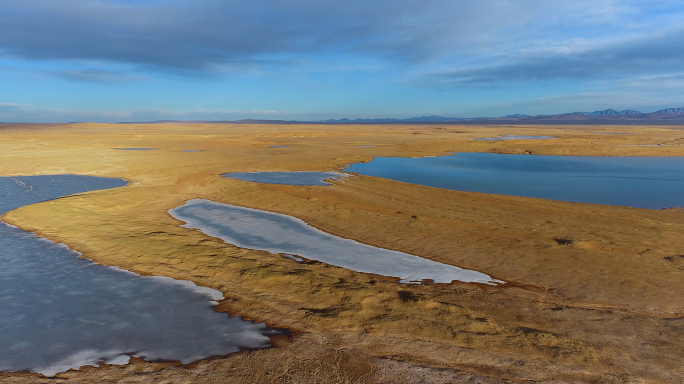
column 607, row 307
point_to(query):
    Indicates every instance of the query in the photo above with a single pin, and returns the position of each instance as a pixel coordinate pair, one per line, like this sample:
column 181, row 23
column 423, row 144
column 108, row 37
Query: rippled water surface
column 642, row 182
column 278, row 233
column 58, row 311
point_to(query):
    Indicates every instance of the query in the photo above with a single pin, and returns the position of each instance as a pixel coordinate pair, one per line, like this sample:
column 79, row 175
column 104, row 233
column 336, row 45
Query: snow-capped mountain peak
column 670, row 110
column 609, row 112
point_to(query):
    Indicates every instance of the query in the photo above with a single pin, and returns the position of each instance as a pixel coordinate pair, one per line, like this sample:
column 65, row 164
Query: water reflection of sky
column 642, row 182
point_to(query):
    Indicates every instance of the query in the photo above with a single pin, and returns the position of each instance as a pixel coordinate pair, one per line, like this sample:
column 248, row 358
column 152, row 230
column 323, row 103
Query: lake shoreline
column 97, row 349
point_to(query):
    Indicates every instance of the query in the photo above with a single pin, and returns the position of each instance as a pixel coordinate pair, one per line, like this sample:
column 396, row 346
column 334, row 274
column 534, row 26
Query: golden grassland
column 605, row 307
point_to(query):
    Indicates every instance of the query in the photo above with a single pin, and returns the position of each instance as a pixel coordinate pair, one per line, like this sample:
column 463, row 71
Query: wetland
column 592, row 294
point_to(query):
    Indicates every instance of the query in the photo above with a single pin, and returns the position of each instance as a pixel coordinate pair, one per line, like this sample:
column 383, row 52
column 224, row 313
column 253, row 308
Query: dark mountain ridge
column 606, row 113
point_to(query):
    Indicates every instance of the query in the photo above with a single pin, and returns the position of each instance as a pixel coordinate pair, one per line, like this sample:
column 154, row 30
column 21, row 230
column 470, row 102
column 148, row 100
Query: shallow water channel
column 641, row 182
column 58, row 311
column 283, row 234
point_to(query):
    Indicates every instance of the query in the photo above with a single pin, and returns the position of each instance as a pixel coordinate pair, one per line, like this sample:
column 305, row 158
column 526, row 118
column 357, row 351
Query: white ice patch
column 282, row 234
column 293, row 257
column 77, row 360
column 118, row 360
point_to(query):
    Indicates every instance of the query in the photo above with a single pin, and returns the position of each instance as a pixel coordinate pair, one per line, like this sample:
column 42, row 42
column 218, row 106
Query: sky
column 146, row 60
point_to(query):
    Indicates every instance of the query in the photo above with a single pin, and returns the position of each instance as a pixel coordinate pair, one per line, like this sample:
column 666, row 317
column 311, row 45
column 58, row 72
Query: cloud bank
column 656, row 53
column 207, row 34
column 599, row 46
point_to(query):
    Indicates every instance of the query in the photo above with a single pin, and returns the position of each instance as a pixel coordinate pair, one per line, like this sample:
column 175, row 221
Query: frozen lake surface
column 641, row 182
column 58, row 311
column 283, row 234
column 289, row 178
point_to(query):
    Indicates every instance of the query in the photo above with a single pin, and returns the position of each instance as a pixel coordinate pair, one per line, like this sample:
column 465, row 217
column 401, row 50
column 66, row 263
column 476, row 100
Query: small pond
column 642, row 182
column 58, row 311
column 290, row 236
column 289, row 178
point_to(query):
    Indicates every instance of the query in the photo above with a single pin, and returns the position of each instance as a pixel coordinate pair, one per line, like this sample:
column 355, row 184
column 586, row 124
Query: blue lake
column 58, row 311
column 641, row 182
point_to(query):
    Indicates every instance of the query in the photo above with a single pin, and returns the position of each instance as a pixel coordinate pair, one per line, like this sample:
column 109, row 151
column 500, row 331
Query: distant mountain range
column 606, row 116
column 612, row 112
column 668, row 113
column 516, row 116
column 609, row 112
column 390, row 120
column 670, row 110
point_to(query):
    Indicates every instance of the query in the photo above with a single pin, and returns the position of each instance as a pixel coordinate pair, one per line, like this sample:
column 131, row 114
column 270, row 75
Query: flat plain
column 593, row 294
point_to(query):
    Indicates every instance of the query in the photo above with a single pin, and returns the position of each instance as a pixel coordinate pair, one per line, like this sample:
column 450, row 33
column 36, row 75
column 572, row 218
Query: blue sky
column 143, row 60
